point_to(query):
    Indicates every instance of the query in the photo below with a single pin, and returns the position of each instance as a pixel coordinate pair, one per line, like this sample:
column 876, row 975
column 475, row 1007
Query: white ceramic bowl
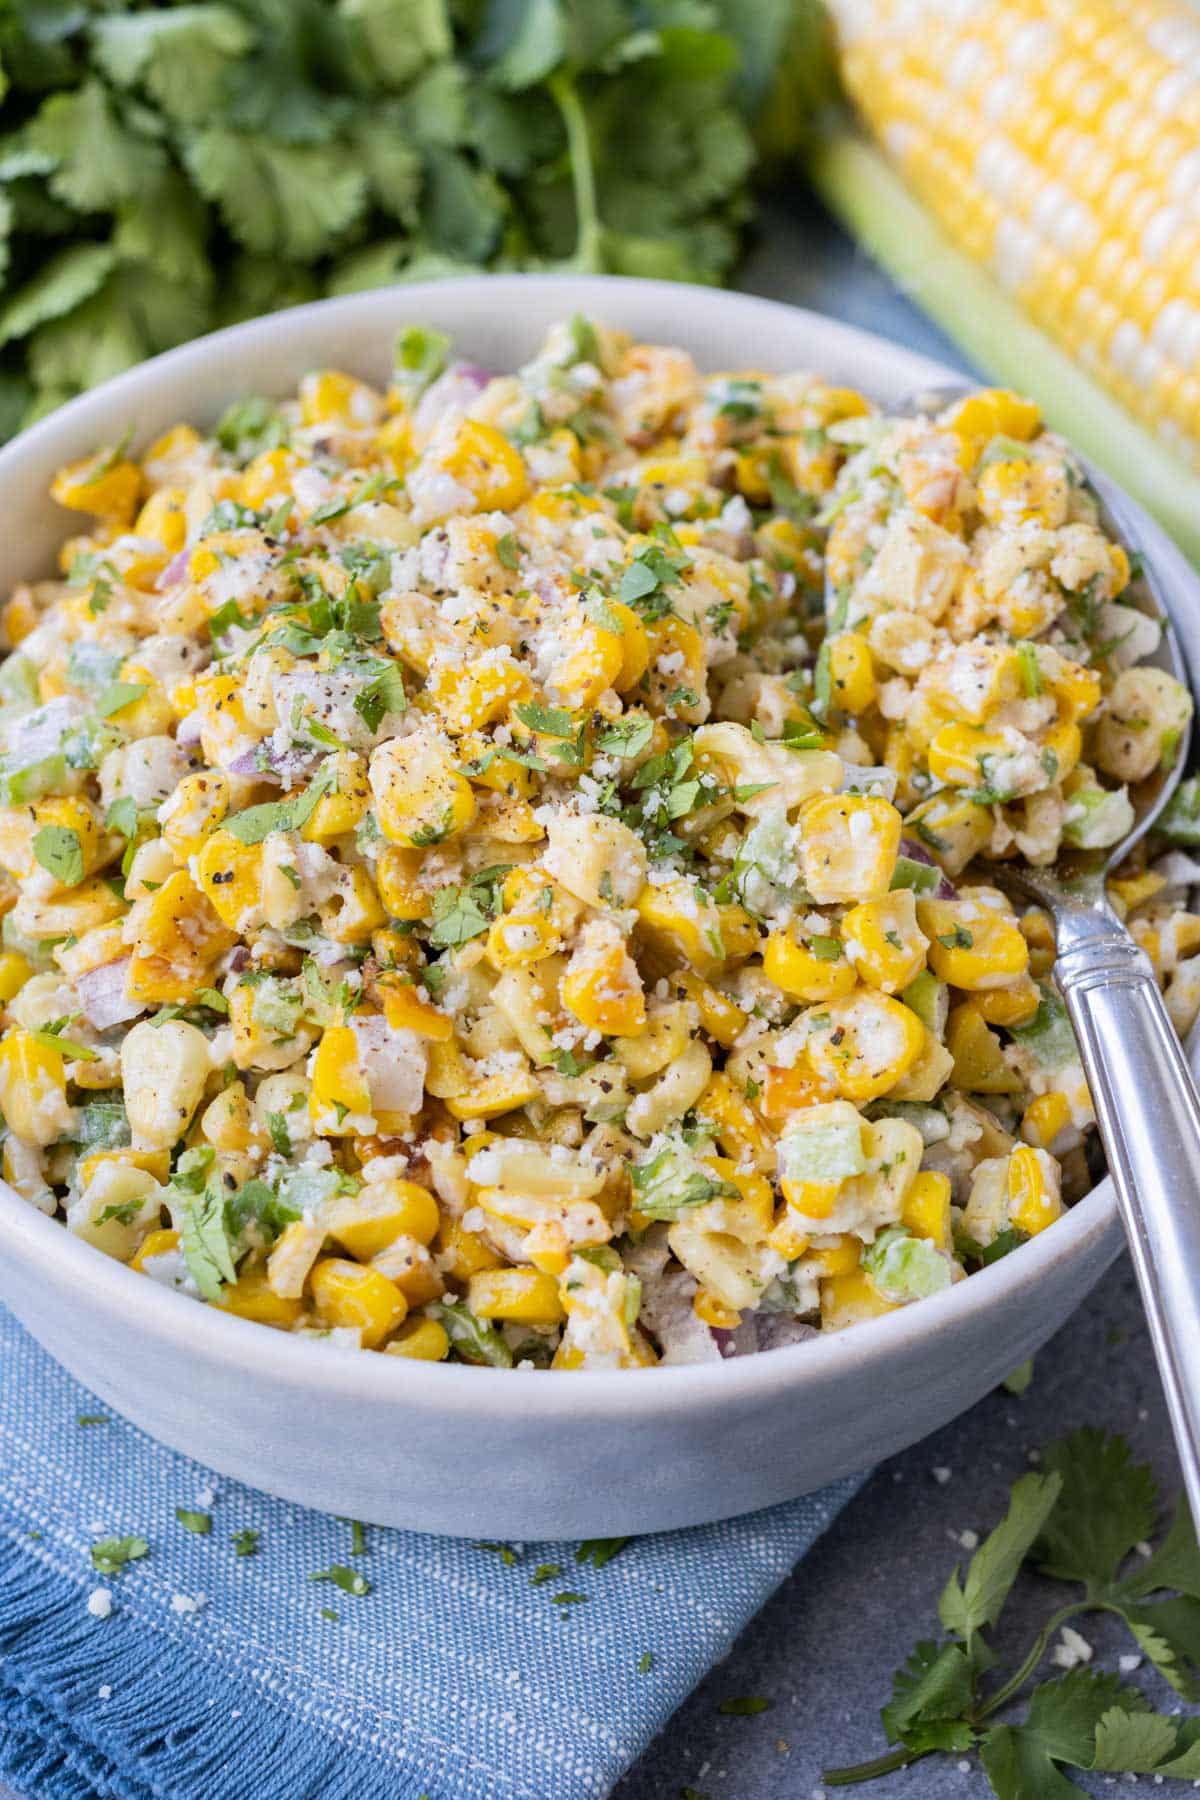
column 443, row 1447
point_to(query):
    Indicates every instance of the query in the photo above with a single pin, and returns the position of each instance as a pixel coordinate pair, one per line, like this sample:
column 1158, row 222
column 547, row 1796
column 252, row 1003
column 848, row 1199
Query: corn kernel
column 348, row 1294
column 864, row 1043
column 925, row 1208
column 1033, row 1197
column 422, row 1340
column 848, row 848
column 522, row 1296
column 972, row 946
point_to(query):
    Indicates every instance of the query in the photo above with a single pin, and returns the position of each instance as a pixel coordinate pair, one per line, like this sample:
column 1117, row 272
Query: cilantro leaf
column 1108, row 1506
column 1022, row 1761
column 286, row 200
column 977, row 1601
column 59, row 850
column 258, row 822
column 205, row 1242
column 111, row 1554
column 935, row 1686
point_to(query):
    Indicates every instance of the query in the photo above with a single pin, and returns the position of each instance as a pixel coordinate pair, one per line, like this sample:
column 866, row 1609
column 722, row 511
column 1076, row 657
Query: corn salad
column 487, row 864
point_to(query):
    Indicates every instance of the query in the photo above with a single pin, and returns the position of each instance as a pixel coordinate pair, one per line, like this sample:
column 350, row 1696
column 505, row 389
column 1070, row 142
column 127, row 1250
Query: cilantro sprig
column 202, row 164
column 1078, row 1520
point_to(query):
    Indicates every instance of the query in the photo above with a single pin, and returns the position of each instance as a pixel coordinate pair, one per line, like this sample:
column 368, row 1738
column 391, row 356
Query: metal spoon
column 1146, row 1102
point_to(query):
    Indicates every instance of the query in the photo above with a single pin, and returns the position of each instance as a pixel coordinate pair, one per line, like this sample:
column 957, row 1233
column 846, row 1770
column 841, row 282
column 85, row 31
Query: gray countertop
column 824, row 1648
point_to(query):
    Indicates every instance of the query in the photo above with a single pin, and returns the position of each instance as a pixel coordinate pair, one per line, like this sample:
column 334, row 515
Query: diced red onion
column 175, row 570
column 777, row 1330
column 103, row 996
column 945, row 889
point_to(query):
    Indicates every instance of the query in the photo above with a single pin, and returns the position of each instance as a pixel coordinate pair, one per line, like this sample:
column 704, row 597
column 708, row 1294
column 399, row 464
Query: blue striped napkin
column 461, row 1674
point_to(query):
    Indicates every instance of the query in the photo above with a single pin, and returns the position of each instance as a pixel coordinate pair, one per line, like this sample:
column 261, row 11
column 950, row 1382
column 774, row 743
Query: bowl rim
column 82, row 1272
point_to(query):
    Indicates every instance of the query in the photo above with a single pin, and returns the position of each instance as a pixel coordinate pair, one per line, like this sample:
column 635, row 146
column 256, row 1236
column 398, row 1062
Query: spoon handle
column 1148, row 1112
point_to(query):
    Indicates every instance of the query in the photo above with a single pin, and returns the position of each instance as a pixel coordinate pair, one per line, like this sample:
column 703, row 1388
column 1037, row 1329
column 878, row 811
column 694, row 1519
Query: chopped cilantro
column 198, row 1523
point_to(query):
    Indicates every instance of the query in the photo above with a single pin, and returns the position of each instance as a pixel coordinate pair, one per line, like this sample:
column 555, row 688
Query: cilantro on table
column 111, row 1554
column 169, row 168
column 1079, row 1519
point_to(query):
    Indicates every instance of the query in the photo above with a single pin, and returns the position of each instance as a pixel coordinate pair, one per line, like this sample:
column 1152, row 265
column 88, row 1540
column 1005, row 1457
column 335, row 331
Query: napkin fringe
column 57, row 1654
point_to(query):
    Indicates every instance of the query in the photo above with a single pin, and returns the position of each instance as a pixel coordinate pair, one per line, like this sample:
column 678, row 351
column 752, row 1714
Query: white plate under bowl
column 445, row 1447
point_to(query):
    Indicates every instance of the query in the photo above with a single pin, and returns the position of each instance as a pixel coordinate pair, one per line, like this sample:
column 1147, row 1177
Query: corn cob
column 1058, row 144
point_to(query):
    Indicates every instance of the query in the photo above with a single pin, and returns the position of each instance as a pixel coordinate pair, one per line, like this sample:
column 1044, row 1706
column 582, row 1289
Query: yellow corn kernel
column 422, row 1340
column 925, row 1208
column 1062, row 747
column 350, row 1294
column 635, row 646
column 952, row 828
column 714, row 1312
column 979, row 1065
column 805, row 973
column 484, row 462
column 786, row 1091
column 353, row 912
column 464, row 1253
column 849, row 845
column 522, row 1296
column 155, row 1243
column 345, row 807
column 251, row 1297
column 367, row 1222
column 864, row 1043
column 851, row 673
column 102, row 484
column 19, row 616
column 602, row 986
column 328, row 397
column 396, row 874
column 194, row 811
column 594, row 664
column 230, row 874
column 1015, row 490
column 33, row 1089
column 14, row 973
column 811, row 1199
column 1135, row 889
column 154, row 1162
column 850, row 1300
column 467, row 698
column 1077, row 687
column 680, row 689
column 883, row 941
column 993, row 412
column 959, row 754
column 340, row 1094
column 92, row 903
column 170, row 453
column 227, row 1121
column 972, row 946
column 1033, row 1200
column 268, row 477
column 420, row 797
column 519, row 938
column 493, row 1095
column 722, row 1018
column 1045, row 1117
column 180, row 937
column 164, row 518
column 1008, row 1006
column 838, row 1256
column 685, row 928
column 225, row 729
column 733, row 1121
column 72, row 813
column 787, row 1239
column 405, row 1010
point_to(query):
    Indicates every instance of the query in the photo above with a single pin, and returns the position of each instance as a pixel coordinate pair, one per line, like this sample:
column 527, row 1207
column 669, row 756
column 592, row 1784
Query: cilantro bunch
column 168, row 168
column 1080, row 1521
